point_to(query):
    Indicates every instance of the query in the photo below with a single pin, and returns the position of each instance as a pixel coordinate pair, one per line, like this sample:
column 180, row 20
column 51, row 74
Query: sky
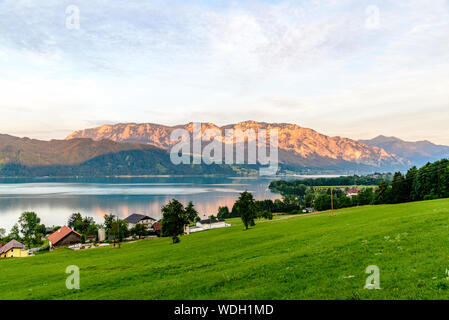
column 347, row 68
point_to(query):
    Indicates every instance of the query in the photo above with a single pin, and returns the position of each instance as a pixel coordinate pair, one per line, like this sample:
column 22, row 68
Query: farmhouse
column 64, row 237
column 13, row 249
column 207, row 224
column 157, row 227
column 140, row 218
column 353, row 192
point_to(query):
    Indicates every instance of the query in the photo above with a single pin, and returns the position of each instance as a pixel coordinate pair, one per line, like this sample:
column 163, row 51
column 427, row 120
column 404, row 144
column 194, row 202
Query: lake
column 54, row 200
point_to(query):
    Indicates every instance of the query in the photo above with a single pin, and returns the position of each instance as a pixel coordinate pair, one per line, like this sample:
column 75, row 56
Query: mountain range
column 300, row 149
column 418, row 153
column 143, row 149
column 298, row 146
column 24, row 157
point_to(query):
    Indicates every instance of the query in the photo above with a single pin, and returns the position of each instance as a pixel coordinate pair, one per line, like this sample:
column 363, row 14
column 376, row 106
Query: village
column 68, row 237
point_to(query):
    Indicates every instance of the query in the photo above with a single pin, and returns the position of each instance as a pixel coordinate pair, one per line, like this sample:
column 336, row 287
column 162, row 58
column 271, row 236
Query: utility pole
column 112, row 223
column 332, row 200
column 118, row 229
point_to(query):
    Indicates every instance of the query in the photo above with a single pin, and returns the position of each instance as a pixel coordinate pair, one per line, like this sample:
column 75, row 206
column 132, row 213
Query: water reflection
column 55, row 199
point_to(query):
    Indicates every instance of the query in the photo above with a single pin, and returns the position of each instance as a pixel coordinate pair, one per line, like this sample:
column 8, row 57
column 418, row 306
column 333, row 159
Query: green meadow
column 315, row 256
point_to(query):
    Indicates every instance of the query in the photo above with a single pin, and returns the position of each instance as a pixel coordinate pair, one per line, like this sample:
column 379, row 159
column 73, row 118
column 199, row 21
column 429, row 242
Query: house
column 91, row 238
column 207, row 224
column 157, row 227
column 13, row 249
column 353, row 192
column 101, row 234
column 64, row 237
column 140, row 218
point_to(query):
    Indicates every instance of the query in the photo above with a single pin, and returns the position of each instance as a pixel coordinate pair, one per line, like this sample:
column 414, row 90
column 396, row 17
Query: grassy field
column 348, row 186
column 316, row 256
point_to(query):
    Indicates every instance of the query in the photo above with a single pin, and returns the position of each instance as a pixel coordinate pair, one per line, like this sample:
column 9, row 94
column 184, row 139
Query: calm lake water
column 55, row 199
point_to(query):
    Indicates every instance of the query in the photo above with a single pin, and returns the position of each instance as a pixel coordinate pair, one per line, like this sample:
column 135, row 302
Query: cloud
column 314, row 63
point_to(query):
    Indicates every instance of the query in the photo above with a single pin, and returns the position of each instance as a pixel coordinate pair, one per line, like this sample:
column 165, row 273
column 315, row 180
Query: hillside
column 298, row 147
column 32, row 152
column 303, row 257
column 418, row 153
column 23, row 157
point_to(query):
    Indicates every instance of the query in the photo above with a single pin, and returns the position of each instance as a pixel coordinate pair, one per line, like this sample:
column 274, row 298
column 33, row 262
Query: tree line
column 429, row 182
column 297, row 187
column 263, row 208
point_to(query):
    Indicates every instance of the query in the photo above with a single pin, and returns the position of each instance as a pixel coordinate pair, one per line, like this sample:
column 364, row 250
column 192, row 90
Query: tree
column 119, row 229
column 267, row 215
column 108, row 220
column 39, row 233
column 223, row 212
column 443, row 181
column 174, row 219
column 344, row 201
column 309, row 198
column 2, row 232
column 323, row 202
column 289, row 203
column 191, row 213
column 88, row 223
column 398, row 189
column 92, row 230
column 41, row 229
column 28, row 222
column 409, row 179
column 139, row 230
column 14, row 233
column 234, row 212
column 366, row 196
column 246, row 208
column 75, row 222
column 86, row 226
column 383, row 193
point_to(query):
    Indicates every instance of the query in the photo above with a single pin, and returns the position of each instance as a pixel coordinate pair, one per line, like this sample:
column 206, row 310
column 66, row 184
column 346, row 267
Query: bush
column 45, row 246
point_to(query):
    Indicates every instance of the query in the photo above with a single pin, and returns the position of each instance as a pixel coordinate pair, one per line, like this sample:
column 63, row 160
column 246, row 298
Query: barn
column 64, row 237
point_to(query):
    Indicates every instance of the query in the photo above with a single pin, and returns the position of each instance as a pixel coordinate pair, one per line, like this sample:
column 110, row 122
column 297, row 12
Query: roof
column 213, row 221
column 354, row 190
column 11, row 245
column 136, row 218
column 63, row 232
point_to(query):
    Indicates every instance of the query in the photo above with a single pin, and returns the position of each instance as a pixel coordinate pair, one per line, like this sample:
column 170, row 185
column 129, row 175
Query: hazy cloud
column 314, row 63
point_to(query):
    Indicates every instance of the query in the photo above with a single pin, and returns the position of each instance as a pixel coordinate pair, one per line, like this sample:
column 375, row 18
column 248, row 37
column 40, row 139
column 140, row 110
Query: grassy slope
column 303, row 257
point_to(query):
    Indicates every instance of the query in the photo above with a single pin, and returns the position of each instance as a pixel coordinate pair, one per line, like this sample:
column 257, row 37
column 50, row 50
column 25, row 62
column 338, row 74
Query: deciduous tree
column 28, row 222
column 175, row 217
column 246, row 208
